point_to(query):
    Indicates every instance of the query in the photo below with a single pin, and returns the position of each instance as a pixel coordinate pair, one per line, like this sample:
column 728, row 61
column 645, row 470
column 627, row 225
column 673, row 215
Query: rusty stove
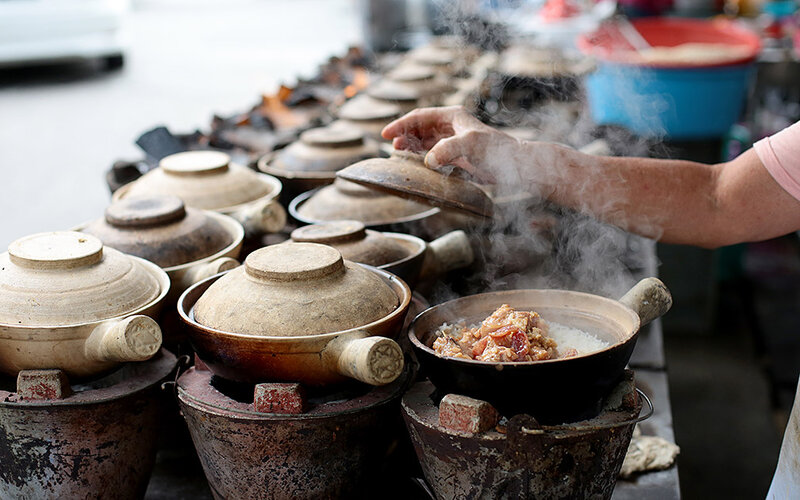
column 467, row 450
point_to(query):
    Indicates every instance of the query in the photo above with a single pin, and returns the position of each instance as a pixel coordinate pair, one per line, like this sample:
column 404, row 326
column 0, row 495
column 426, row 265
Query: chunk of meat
column 506, row 335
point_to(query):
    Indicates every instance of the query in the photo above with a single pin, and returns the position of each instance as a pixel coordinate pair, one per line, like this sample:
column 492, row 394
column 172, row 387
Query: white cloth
column 786, row 481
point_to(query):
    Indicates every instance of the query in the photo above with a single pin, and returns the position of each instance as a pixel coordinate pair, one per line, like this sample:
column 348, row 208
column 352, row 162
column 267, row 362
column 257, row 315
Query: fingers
column 423, row 122
column 457, row 151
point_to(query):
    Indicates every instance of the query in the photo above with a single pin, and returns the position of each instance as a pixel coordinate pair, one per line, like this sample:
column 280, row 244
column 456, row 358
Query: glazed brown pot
column 288, row 299
column 67, row 302
column 209, row 180
column 566, row 389
column 189, row 244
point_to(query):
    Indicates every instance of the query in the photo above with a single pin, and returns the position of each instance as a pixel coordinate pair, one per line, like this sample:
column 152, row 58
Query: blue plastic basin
column 679, row 103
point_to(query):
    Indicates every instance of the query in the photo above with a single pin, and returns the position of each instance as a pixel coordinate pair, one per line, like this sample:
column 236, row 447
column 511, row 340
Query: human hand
column 452, row 136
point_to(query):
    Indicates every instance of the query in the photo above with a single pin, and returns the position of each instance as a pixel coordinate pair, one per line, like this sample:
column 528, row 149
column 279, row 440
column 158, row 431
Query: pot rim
column 234, row 229
column 421, row 247
column 632, row 335
column 401, row 308
column 298, row 201
column 164, row 283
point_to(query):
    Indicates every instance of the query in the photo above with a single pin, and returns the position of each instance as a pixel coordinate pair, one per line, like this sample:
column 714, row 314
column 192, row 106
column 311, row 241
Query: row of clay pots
column 101, row 297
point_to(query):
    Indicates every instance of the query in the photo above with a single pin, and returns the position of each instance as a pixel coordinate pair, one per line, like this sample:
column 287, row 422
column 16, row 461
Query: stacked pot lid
column 55, row 291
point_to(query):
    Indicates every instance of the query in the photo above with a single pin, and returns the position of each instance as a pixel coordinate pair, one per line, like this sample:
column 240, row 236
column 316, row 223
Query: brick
column 465, row 414
column 43, row 384
column 284, row 398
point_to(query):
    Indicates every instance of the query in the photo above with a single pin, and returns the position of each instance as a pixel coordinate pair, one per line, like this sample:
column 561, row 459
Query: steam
column 537, row 244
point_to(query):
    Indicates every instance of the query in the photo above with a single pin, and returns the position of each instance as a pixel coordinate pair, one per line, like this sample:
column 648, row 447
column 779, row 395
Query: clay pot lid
column 202, row 179
column 365, row 108
column 350, row 201
column 387, row 90
column 69, row 278
column 329, row 137
column 323, row 150
column 162, row 230
column 405, row 175
column 354, row 241
column 411, row 74
column 433, row 55
column 295, row 289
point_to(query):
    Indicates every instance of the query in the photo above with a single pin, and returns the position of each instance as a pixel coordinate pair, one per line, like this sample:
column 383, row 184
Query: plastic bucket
column 679, row 101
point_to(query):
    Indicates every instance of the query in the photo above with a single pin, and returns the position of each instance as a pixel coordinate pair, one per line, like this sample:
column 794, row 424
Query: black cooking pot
column 552, row 391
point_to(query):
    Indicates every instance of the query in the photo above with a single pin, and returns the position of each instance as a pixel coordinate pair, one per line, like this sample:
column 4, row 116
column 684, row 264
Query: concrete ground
column 61, row 127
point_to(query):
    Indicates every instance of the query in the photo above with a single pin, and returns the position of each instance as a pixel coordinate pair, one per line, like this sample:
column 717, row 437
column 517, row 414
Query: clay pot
column 298, row 312
column 575, row 385
column 345, row 200
column 189, row 244
column 368, row 115
column 313, row 159
column 406, row 256
column 68, row 302
column 208, row 180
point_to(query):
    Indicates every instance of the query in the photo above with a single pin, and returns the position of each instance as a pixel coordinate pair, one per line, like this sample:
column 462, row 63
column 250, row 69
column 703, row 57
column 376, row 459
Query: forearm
column 672, row 201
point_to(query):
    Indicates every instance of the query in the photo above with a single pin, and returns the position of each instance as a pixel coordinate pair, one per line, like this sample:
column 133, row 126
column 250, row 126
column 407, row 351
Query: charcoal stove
column 279, row 440
column 94, row 439
column 467, row 450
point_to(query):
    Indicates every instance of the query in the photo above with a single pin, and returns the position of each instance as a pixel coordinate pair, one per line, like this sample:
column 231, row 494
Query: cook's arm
column 671, row 200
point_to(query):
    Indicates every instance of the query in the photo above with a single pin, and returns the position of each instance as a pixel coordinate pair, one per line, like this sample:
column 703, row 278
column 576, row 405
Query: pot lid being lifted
column 292, row 290
column 161, row 229
column 202, row 179
column 351, row 201
column 325, row 149
column 354, row 241
column 404, row 174
column 69, row 278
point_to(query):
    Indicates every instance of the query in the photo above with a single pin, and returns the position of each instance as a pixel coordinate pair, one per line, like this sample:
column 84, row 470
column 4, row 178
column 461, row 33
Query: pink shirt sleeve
column 780, row 154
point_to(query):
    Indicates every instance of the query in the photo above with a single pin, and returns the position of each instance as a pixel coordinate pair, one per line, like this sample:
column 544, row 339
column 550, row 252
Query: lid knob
column 293, row 262
column 333, row 137
column 145, row 211
column 56, row 250
column 196, row 163
column 330, row 232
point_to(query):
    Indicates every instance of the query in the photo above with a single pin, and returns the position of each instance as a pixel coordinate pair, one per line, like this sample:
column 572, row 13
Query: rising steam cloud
column 538, row 245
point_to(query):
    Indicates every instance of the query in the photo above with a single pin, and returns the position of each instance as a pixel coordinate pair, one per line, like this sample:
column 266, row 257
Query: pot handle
column 448, row 252
column 263, row 216
column 135, row 338
column 373, row 360
column 206, row 270
column 649, row 298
